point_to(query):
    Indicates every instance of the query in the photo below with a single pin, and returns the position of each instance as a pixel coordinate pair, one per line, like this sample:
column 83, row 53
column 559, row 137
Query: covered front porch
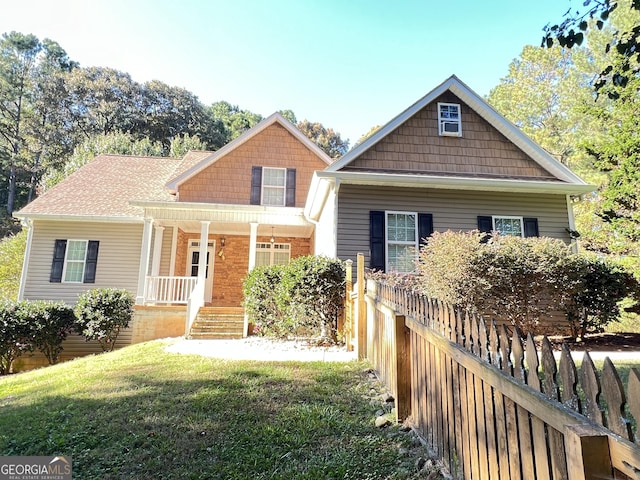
column 198, row 255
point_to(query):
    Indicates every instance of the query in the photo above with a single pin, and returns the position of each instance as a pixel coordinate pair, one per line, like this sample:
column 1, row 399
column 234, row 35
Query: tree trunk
column 11, row 194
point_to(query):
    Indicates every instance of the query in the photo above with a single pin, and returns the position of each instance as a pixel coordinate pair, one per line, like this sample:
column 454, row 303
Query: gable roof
column 192, row 170
column 104, row 187
column 482, row 108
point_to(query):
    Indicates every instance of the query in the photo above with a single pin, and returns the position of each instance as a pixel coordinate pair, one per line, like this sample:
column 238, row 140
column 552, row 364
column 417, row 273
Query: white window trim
column 508, row 217
column 270, row 248
column 284, row 187
column 442, row 121
column 66, row 260
column 395, row 242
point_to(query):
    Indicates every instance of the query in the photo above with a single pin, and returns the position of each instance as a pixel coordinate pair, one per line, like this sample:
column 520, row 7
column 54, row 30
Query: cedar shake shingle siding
column 455, row 210
column 482, row 151
column 228, row 179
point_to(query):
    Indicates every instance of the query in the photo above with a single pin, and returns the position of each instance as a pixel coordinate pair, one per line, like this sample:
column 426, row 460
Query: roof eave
column 456, row 183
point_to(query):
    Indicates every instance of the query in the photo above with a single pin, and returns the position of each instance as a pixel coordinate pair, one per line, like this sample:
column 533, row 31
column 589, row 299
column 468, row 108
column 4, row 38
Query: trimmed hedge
column 523, row 280
column 303, row 297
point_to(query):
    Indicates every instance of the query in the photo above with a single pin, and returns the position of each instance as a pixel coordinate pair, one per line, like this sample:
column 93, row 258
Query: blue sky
column 350, row 64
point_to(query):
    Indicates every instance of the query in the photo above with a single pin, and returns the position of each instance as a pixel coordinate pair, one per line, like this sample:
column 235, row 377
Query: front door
column 193, row 259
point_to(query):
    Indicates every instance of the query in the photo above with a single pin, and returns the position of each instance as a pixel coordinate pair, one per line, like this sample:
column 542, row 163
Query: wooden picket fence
column 488, row 402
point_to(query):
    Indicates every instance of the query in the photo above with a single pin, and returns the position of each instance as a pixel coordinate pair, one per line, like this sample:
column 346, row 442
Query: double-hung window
column 74, row 261
column 272, row 254
column 402, row 241
column 274, row 184
column 508, row 226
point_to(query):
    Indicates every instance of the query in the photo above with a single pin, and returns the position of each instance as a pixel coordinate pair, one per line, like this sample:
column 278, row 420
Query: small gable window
column 273, row 186
column 449, row 120
column 74, row 261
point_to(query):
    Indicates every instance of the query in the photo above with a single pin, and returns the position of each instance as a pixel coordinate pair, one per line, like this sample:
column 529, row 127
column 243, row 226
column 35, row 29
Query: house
column 178, row 233
column 181, row 234
column 448, row 162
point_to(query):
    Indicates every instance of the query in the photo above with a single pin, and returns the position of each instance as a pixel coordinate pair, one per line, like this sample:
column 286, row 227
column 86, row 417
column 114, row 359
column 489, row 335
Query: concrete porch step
column 218, row 322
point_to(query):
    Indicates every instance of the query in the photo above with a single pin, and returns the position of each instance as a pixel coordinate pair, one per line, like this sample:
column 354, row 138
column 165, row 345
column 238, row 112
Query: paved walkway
column 258, row 348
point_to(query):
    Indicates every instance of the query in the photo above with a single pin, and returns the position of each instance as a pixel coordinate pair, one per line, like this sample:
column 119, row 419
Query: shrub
column 49, row 325
column 305, row 295
column 522, row 280
column 260, row 289
column 101, row 314
column 594, row 293
column 14, row 335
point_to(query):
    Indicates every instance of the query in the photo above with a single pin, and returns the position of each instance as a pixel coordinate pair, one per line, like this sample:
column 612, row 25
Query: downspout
column 25, row 261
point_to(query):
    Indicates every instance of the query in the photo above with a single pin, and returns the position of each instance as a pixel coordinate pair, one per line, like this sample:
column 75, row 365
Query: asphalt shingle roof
column 106, row 185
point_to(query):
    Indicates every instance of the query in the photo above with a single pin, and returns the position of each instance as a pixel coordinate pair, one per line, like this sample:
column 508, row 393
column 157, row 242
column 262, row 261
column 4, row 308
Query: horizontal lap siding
column 118, row 258
column 452, row 210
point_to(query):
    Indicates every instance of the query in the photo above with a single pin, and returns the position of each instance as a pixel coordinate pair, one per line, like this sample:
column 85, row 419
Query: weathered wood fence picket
column 487, row 402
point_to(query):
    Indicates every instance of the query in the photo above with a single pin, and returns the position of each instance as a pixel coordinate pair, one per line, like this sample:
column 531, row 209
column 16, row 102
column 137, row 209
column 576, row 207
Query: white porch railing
column 169, row 289
column 196, row 301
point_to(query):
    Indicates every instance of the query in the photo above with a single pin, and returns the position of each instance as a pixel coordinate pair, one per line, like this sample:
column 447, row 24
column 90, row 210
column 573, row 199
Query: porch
column 197, row 255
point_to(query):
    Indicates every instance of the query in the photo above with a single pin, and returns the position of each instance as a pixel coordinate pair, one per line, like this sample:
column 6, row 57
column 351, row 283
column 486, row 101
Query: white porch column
column 157, row 250
column 253, row 238
column 204, row 243
column 144, row 260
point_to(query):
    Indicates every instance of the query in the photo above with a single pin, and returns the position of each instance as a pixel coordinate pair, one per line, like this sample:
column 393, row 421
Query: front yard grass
column 141, row 412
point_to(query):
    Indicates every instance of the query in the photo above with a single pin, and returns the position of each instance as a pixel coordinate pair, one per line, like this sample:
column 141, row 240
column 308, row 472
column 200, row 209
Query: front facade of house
column 181, row 234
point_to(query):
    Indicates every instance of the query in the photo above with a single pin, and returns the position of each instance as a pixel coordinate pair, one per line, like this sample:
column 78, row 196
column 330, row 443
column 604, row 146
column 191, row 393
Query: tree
column 26, row 106
column 235, row 120
column 371, row 131
column 544, row 94
column 625, row 41
column 12, row 255
column 326, row 138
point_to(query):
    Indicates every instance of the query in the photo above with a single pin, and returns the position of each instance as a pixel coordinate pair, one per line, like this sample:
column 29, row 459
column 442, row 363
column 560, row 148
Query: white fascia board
column 80, row 218
column 456, row 183
column 191, row 211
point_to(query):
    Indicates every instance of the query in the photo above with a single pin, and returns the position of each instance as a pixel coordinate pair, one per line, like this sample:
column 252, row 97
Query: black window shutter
column 376, row 240
column 57, row 264
column 425, row 227
column 256, row 185
column 291, row 187
column 92, row 261
column 485, row 225
column 530, row 227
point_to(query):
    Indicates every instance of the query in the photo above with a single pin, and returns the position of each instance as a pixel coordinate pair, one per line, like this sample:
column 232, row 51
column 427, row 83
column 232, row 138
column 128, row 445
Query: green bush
column 304, row 296
column 12, row 254
column 522, row 280
column 14, row 335
column 593, row 296
column 261, row 304
column 101, row 314
column 49, row 325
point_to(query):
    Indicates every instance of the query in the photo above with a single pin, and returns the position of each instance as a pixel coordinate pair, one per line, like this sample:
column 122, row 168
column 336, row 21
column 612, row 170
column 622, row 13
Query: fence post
column 362, row 311
column 403, row 369
column 348, row 307
column 587, row 452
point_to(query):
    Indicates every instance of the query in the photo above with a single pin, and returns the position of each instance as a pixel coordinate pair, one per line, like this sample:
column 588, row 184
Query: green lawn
column 140, row 413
